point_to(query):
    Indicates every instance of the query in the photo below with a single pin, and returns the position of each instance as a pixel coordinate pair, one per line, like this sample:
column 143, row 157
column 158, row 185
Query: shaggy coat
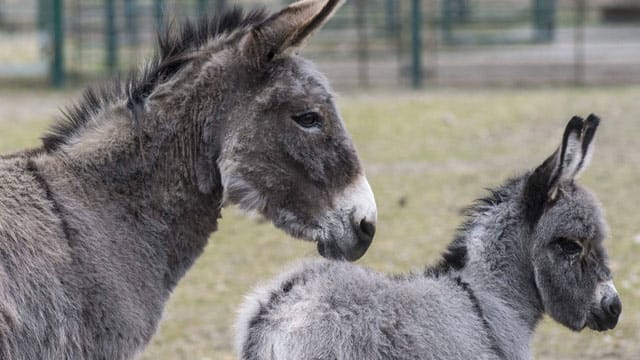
column 99, row 224
column 533, row 247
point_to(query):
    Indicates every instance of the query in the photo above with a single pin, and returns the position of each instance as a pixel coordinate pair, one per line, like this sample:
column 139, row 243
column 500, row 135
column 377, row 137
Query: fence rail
column 370, row 43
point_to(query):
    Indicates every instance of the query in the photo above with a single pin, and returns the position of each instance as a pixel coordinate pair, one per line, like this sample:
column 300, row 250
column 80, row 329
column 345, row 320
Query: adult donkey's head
column 271, row 135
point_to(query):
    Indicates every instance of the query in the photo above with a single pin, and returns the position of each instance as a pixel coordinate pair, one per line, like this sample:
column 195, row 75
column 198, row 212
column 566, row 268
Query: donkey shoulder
column 27, row 212
column 33, row 257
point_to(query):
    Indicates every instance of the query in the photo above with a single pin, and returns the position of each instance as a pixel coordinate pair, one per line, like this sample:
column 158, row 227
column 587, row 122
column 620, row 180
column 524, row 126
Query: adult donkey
column 98, row 225
column 533, row 247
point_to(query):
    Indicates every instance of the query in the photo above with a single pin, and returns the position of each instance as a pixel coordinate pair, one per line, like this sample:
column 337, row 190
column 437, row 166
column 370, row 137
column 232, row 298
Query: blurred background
column 443, row 98
column 369, row 44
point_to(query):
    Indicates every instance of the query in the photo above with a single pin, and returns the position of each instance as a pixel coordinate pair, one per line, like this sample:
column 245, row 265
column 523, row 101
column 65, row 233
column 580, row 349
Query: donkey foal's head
column 567, row 230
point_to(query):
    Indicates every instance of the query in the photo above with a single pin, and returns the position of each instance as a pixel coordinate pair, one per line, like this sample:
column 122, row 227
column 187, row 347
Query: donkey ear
column 589, row 131
column 564, row 165
column 287, row 29
column 574, row 153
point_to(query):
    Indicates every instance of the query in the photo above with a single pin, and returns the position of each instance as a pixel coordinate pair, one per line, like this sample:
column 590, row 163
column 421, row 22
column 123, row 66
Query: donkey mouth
column 330, row 251
column 601, row 323
column 334, row 252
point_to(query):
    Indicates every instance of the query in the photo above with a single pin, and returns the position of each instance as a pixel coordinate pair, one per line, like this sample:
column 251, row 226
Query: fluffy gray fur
column 99, row 225
column 512, row 261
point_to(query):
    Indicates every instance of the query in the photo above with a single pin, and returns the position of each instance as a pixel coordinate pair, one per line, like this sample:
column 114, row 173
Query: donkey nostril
column 612, row 305
column 616, row 307
column 368, row 229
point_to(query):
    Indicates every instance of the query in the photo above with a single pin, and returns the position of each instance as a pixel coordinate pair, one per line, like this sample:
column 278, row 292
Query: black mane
column 455, row 256
column 173, row 47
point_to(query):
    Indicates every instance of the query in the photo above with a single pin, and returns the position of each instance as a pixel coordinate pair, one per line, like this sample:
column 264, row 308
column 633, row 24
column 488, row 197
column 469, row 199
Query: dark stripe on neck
column 454, row 258
column 32, row 167
column 478, row 310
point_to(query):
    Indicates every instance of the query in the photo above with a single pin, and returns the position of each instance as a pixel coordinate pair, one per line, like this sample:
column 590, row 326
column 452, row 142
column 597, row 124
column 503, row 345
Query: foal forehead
column 579, row 213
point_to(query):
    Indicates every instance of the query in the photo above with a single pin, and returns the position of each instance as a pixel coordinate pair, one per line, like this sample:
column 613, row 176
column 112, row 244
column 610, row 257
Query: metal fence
column 370, row 43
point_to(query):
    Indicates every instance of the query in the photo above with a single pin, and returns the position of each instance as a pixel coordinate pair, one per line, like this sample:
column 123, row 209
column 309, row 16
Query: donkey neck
column 498, row 274
column 142, row 172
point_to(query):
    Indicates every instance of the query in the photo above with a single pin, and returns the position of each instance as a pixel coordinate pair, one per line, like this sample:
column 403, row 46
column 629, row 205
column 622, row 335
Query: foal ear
column 573, row 155
column 575, row 151
column 564, row 165
column 287, row 29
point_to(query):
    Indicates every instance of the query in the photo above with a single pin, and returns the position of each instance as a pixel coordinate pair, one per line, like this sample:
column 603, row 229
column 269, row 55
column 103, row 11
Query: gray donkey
column 533, row 246
column 99, row 224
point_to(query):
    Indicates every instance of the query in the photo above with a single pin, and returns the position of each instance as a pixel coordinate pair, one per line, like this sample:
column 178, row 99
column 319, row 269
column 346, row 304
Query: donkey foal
column 533, row 246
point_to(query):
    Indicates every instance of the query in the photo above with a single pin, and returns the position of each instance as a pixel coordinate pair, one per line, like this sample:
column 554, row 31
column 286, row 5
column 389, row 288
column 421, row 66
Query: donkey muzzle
column 609, row 307
column 358, row 216
column 364, row 231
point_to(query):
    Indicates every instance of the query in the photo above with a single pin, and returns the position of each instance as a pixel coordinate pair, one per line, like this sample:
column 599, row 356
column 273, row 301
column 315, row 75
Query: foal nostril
column 612, row 305
column 367, row 231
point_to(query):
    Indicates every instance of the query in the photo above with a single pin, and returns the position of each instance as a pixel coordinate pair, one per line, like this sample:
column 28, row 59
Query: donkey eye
column 569, row 247
column 308, row 119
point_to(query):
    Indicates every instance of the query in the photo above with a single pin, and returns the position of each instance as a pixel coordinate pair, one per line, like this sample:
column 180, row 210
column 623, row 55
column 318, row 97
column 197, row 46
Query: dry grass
column 438, row 150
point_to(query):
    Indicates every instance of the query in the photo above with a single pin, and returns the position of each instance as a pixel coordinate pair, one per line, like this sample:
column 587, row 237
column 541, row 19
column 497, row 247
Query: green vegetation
column 427, row 156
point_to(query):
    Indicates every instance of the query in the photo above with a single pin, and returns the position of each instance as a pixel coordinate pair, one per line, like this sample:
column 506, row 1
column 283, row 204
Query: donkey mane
column 174, row 47
column 455, row 255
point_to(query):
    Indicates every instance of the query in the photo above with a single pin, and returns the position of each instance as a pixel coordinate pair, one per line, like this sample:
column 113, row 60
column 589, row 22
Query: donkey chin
column 343, row 232
column 337, row 235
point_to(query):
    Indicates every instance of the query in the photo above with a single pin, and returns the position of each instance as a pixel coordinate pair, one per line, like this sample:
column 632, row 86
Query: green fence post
column 221, row 5
column 391, row 16
column 544, row 19
column 446, row 13
column 202, row 7
column 131, row 21
column 579, row 56
column 363, row 43
column 111, row 40
column 416, row 44
column 159, row 14
column 57, row 32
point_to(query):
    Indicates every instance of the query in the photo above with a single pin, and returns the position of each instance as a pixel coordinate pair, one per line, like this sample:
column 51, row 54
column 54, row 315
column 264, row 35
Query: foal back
column 342, row 305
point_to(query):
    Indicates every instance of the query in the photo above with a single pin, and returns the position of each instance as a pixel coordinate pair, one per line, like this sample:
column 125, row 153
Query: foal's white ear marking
column 288, row 29
column 567, row 156
column 572, row 156
column 590, row 127
column 574, row 153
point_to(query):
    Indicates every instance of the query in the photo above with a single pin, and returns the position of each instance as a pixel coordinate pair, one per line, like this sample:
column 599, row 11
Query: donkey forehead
column 578, row 214
column 294, row 78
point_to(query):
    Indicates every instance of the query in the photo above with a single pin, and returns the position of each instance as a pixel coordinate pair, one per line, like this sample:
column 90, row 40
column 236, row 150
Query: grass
column 434, row 151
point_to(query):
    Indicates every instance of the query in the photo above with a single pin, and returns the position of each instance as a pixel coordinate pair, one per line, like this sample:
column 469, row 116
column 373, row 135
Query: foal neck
column 498, row 272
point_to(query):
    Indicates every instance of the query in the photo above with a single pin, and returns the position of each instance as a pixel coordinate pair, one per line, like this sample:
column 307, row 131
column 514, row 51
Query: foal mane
column 455, row 256
column 172, row 54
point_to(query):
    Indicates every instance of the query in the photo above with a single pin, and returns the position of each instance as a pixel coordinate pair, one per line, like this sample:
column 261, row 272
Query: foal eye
column 569, row 247
column 308, row 119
